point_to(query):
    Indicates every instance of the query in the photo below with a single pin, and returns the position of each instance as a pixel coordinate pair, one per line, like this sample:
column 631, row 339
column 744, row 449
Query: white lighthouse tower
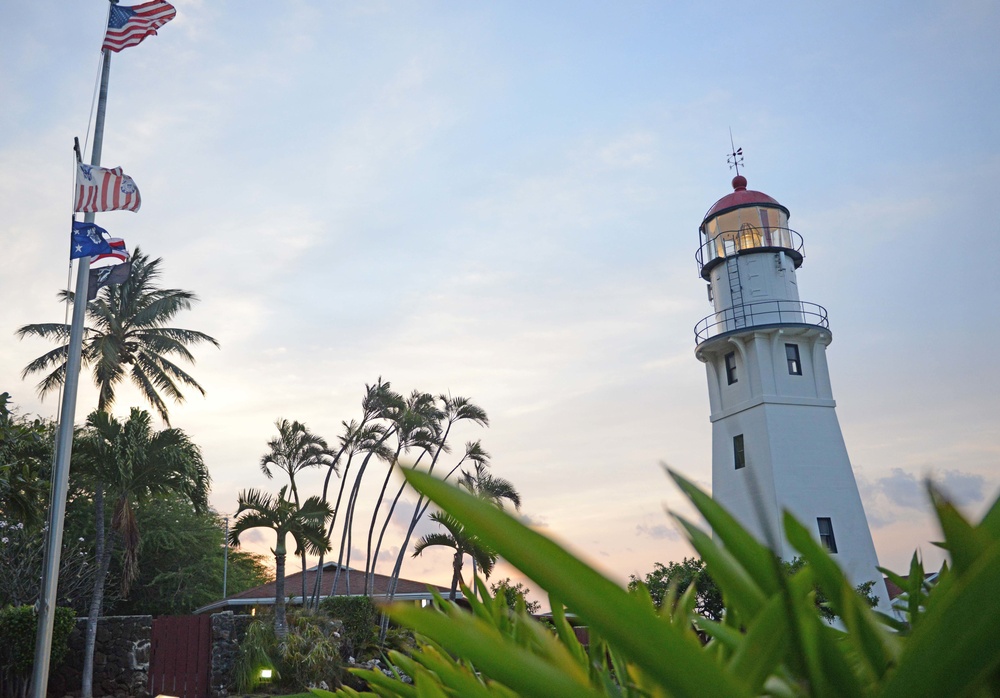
column 776, row 441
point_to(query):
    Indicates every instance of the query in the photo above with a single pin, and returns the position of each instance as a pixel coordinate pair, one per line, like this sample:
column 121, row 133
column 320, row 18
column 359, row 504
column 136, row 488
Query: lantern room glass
column 746, row 227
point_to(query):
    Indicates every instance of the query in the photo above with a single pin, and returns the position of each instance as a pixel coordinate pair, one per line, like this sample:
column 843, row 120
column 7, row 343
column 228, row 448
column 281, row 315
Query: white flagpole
column 64, row 444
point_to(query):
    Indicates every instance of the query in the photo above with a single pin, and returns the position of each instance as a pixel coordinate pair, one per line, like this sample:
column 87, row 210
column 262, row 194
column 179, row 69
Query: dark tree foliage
column 512, row 593
column 181, row 561
column 683, row 574
column 709, row 601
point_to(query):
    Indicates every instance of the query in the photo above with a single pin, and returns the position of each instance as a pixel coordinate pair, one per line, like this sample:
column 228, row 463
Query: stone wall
column 227, row 632
column 121, row 659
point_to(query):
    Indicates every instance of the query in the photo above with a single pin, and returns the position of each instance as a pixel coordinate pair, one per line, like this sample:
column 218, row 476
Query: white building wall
column 794, row 450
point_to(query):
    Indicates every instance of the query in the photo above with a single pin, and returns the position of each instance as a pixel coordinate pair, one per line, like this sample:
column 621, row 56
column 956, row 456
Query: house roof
column 351, row 583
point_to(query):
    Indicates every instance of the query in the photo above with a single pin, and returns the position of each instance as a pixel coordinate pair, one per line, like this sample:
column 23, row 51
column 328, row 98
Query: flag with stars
column 100, row 189
column 128, row 26
column 88, row 240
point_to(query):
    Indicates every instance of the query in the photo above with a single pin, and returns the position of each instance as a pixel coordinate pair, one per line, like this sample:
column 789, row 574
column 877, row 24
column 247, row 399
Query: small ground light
column 265, row 674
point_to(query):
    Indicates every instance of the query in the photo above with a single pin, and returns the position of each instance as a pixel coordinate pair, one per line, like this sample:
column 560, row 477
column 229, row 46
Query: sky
column 501, row 201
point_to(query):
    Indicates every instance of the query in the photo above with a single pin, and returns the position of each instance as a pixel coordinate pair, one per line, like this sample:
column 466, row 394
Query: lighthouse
column 776, row 441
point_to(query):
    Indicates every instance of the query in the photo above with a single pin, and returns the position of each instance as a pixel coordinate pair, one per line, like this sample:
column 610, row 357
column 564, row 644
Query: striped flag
column 116, row 254
column 127, row 26
column 98, row 189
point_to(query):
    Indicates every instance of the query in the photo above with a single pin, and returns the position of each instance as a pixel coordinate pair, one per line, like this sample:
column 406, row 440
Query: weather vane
column 734, row 158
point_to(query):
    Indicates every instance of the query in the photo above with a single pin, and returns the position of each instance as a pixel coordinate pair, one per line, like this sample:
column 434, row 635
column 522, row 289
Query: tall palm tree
column 131, row 464
column 294, row 449
column 454, row 410
column 416, row 427
column 463, row 543
column 126, row 330
column 306, row 525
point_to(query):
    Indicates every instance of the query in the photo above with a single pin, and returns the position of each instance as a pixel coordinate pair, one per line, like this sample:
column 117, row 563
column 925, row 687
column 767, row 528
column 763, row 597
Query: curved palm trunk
column 333, row 521
column 314, row 602
column 417, row 513
column 369, row 566
column 347, row 537
column 388, row 518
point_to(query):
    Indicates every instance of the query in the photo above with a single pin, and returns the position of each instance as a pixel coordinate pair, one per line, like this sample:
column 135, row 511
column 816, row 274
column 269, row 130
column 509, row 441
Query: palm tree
column 454, row 410
column 490, row 488
column 416, row 427
column 306, row 525
column 463, row 543
column 131, row 464
column 127, row 329
column 294, row 449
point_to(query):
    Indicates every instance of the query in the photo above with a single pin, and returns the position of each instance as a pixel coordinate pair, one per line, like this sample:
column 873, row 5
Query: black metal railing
column 732, row 242
column 760, row 314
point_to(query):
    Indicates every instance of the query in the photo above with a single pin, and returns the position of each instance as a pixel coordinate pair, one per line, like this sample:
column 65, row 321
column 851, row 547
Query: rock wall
column 227, row 632
column 121, row 659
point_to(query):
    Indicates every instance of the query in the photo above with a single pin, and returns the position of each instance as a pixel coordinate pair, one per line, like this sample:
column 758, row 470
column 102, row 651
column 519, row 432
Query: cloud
column 901, row 494
column 657, row 532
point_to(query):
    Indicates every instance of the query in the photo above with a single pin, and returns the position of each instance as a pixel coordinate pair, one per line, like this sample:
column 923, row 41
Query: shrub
column 359, row 617
column 771, row 639
column 18, row 626
column 309, row 655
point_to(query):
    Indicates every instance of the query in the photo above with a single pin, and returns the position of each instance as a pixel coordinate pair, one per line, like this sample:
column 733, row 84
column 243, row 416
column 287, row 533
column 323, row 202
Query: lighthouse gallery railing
column 762, row 313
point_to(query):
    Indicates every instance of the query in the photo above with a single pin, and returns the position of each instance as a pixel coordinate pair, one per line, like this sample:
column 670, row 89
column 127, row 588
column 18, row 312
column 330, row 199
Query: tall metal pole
column 64, row 443
column 225, row 560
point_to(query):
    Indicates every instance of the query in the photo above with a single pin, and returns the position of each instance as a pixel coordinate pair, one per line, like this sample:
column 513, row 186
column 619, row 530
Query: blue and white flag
column 89, row 240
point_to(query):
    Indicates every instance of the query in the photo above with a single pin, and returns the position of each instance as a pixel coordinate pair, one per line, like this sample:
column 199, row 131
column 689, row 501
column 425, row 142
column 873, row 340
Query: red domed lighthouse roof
column 741, row 197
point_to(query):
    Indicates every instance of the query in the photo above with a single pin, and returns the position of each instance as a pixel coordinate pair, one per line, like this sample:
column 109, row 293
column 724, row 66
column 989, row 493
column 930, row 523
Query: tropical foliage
column 127, row 330
column 182, row 561
column 514, row 595
column 17, row 651
column 309, row 654
column 129, row 463
column 771, row 640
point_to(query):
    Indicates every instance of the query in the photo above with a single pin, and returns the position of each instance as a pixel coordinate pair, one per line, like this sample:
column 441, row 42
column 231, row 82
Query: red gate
column 180, row 655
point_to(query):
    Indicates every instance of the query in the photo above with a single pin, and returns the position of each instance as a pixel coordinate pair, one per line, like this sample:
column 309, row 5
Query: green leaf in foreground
column 618, row 617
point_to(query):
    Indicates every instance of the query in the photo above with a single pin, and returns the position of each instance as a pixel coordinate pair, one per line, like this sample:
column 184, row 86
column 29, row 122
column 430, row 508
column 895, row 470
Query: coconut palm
column 306, row 525
column 126, row 330
column 294, row 449
column 462, row 542
column 130, row 464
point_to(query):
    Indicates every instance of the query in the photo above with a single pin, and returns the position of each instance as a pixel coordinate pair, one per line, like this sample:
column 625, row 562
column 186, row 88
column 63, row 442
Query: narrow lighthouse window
column 739, row 457
column 731, row 368
column 826, row 534
column 794, row 364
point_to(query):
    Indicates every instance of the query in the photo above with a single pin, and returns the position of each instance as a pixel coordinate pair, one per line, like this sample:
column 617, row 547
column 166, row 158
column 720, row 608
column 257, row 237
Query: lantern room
column 743, row 221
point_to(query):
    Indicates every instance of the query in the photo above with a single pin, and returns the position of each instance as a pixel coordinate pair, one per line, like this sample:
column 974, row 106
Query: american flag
column 98, row 189
column 127, row 26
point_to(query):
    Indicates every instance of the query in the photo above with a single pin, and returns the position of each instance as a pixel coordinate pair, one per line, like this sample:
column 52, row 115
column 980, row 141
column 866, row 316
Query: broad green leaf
column 497, row 656
column 864, row 630
column 739, row 588
column 763, row 647
column 957, row 644
column 756, row 558
column 963, row 540
column 604, row 605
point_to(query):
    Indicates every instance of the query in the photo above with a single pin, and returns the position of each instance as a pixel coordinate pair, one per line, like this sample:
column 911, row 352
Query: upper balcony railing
column 762, row 313
column 731, row 242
